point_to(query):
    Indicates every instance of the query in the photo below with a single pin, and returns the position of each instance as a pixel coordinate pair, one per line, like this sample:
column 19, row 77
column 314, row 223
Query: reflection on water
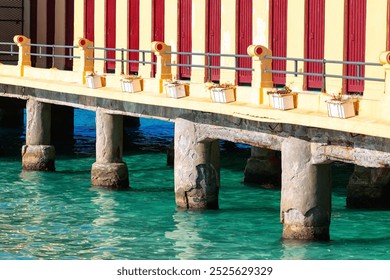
column 294, row 250
column 188, row 242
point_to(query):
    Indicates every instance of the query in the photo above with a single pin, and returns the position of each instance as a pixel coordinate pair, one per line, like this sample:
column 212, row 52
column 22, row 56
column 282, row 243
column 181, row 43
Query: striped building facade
column 349, row 30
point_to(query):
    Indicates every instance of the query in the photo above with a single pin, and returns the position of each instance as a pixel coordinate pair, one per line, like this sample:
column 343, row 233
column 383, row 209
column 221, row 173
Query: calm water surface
column 59, row 216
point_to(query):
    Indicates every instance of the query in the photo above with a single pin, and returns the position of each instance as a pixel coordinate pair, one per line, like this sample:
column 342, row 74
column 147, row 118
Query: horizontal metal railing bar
column 325, row 75
column 8, row 43
column 52, row 46
column 116, row 49
column 323, row 61
column 120, row 60
column 211, row 54
column 8, row 52
column 53, row 55
column 209, row 66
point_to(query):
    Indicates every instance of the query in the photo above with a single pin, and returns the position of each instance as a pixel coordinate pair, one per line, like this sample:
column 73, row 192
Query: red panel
column 157, row 25
column 314, row 40
column 244, row 39
column 278, row 38
column 89, row 29
column 185, row 36
column 133, row 33
column 213, row 37
column 50, row 29
column 110, row 33
column 69, row 31
column 355, row 41
column 158, row 20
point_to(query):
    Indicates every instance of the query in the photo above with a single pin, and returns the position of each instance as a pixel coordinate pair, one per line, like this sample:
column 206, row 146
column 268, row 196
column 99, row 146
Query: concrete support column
column 369, row 188
column 38, row 154
column 263, row 167
column 109, row 170
column 306, row 193
column 197, row 168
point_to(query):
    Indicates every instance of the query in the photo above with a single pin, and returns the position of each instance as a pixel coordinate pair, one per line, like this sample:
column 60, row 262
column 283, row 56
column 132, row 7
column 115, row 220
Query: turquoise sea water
column 57, row 215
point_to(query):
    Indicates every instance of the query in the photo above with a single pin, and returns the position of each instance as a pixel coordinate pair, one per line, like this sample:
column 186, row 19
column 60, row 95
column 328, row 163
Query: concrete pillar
column 38, row 154
column 11, row 112
column 197, row 168
column 369, row 188
column 306, row 193
column 263, row 167
column 109, row 170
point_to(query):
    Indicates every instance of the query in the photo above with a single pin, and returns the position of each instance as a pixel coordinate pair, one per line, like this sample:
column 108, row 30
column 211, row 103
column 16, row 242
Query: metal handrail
column 208, row 66
column 11, row 45
column 52, row 55
column 122, row 60
column 324, row 75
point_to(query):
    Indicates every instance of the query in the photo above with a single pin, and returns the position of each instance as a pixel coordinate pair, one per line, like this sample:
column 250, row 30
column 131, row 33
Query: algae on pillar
column 197, row 168
column 109, row 170
column 306, row 193
column 38, row 154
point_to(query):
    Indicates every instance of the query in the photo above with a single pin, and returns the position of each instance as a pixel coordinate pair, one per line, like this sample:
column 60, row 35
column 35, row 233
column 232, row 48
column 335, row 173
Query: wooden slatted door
column 278, row 38
column 110, row 34
column 355, row 42
column 244, row 39
column 89, row 18
column 133, row 34
column 314, row 41
column 213, row 37
column 69, row 31
column 157, row 25
column 185, row 37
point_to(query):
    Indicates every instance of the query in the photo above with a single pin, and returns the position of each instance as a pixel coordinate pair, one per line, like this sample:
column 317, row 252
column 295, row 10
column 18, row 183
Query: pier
column 308, row 139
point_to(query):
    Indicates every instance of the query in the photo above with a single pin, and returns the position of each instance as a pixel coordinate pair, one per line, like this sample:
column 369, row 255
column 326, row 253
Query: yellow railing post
column 160, row 49
column 163, row 71
column 86, row 62
column 24, row 52
column 384, row 59
column 261, row 80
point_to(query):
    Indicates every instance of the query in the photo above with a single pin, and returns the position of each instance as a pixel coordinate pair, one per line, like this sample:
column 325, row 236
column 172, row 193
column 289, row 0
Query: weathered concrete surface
column 38, row 158
column 263, row 167
column 306, row 193
column 38, row 154
column 38, row 124
column 109, row 170
column 197, row 168
column 110, row 175
column 369, row 188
